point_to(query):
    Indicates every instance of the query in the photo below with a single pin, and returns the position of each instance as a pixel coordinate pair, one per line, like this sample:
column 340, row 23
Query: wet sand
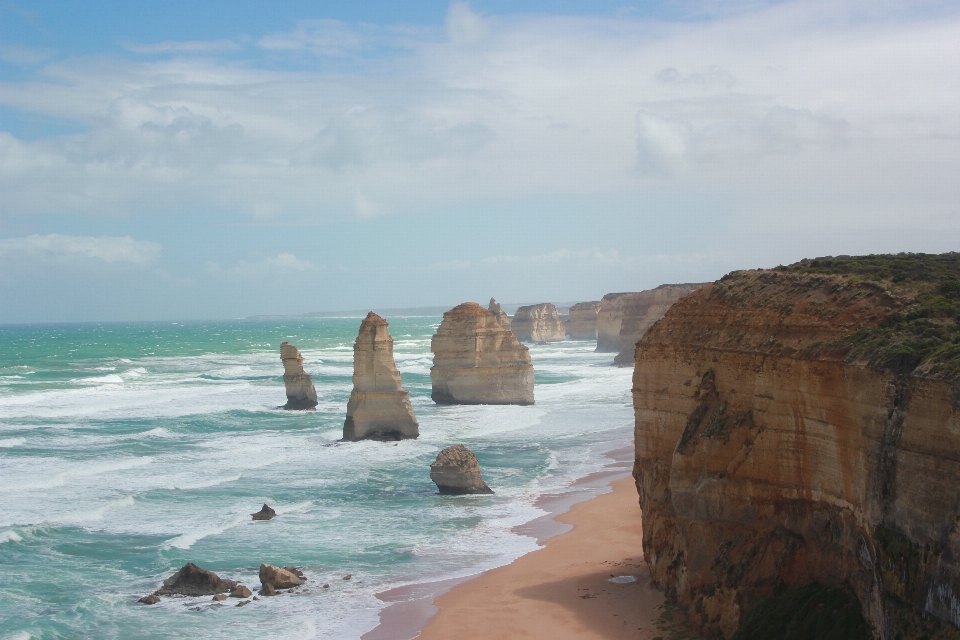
column 563, row 590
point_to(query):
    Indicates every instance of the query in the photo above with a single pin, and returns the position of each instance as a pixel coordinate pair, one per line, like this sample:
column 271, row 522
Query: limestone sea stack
column 301, row 393
column 379, row 407
column 457, row 472
column 640, row 312
column 477, row 361
column 798, row 431
column 538, row 323
column 498, row 311
column 582, row 323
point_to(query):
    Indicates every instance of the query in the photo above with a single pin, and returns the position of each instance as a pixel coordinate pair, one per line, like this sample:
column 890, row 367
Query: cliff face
column 500, row 314
column 301, row 394
column 609, row 318
column 783, row 438
column 582, row 324
column 538, row 323
column 477, row 361
column 379, row 408
column 641, row 310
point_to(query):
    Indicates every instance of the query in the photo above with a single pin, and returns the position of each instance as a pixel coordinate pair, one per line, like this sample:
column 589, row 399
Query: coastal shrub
column 925, row 334
column 806, row 612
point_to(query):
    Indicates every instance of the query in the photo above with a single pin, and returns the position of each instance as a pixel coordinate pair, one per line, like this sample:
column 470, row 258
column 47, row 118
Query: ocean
column 128, row 450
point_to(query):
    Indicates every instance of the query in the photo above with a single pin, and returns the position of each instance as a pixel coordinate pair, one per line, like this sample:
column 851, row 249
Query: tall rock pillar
column 379, row 408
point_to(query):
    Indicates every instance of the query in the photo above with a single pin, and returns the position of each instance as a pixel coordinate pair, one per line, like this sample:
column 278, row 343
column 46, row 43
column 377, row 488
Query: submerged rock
column 538, row 323
column 301, row 393
column 220, row 597
column 265, row 513
column 582, row 323
column 280, row 578
column 150, row 599
column 379, row 407
column 457, row 472
column 501, row 315
column 191, row 580
column 477, row 361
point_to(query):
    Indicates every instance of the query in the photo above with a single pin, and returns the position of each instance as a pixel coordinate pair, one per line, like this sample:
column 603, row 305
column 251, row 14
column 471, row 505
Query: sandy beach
column 563, row 590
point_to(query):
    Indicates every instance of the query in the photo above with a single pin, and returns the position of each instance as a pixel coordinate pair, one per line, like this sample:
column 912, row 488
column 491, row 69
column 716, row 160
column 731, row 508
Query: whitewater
column 128, row 450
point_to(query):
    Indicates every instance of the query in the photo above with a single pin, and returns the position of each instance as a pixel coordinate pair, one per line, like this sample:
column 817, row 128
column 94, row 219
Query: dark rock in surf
column 150, row 599
column 191, row 580
column 266, row 513
column 285, row 578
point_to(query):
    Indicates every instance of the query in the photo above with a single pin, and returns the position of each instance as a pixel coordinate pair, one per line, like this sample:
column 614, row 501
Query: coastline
column 588, row 532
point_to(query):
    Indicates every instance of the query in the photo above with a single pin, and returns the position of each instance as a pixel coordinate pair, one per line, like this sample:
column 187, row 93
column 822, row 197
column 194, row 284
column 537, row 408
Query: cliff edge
column 801, row 426
column 640, row 312
column 538, row 323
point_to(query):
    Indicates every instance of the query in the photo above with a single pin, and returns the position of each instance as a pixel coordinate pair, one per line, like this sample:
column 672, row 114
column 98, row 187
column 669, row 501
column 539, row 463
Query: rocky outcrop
column 641, row 310
column 477, row 361
column 191, row 580
column 498, row 311
column 379, row 408
column 240, row 591
column 582, row 324
column 280, row 578
column 800, row 426
column 457, row 472
column 265, row 513
column 301, row 393
column 538, row 323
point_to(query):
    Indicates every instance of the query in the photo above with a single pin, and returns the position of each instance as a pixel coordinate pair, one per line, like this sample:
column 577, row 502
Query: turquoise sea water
column 127, row 450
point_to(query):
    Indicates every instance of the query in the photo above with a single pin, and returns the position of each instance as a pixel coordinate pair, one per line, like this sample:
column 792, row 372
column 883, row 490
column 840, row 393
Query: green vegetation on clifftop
column 924, row 336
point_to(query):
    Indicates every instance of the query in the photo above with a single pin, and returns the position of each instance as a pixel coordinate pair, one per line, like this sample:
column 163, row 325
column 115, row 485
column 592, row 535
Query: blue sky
column 184, row 160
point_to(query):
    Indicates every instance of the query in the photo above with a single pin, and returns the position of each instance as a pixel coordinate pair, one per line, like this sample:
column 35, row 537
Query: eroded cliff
column 582, row 324
column 802, row 425
column 641, row 310
column 538, row 323
column 477, row 361
column 301, row 394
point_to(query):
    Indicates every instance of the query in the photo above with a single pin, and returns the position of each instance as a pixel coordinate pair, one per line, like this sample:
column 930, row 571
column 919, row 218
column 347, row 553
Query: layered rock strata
column 582, row 322
column 609, row 318
column 502, row 317
column 478, row 361
column 802, row 425
column 301, row 393
column 457, row 472
column 538, row 323
column 379, row 407
column 640, row 312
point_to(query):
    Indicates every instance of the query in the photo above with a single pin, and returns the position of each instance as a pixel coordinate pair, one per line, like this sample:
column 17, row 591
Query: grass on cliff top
column 925, row 334
column 807, row 612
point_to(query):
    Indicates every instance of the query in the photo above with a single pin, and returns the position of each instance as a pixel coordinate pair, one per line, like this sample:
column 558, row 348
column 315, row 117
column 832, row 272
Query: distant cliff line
column 412, row 312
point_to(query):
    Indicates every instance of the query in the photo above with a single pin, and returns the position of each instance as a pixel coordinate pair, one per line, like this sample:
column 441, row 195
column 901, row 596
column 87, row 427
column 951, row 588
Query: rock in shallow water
column 457, row 472
column 150, row 599
column 191, row 580
column 379, row 408
column 285, row 578
column 265, row 513
column 241, row 591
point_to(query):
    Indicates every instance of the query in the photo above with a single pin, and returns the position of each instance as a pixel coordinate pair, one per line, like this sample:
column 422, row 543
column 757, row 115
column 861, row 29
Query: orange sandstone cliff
column 801, row 426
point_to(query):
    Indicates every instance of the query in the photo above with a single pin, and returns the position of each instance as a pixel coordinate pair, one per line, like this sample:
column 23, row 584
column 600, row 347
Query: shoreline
column 412, row 609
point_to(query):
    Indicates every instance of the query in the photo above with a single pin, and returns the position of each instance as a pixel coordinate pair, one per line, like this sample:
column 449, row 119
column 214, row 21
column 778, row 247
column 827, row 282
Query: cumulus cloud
column 56, row 247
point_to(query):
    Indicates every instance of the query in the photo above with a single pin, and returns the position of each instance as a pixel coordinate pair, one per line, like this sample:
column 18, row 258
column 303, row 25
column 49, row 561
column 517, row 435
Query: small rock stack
column 301, row 393
column 457, row 472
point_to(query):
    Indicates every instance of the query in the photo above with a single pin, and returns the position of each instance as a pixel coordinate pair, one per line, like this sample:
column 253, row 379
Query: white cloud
column 59, row 247
column 282, row 264
column 188, row 47
column 833, row 98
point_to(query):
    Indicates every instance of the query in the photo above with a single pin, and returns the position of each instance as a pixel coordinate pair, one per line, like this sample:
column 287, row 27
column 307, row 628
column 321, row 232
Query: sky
column 204, row 160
